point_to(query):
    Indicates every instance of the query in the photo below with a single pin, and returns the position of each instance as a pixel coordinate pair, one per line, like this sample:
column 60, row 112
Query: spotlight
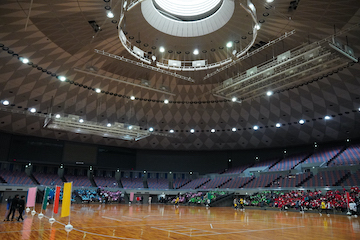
column 234, row 99
column 269, row 1
column 166, row 101
column 109, row 125
column 153, row 58
column 213, row 130
column 110, row 15
column 98, row 90
column 348, row 140
column 229, row 44
column 257, row 26
column 162, row 49
column 269, row 93
column 301, row 121
column 5, row 102
column 33, row 110
column 233, row 129
column 62, row 78
column 278, row 125
column 81, row 120
column 24, row 60
column 196, row 52
column 171, row 131
column 256, row 128
column 57, row 116
column 192, row 130
column 151, row 129
column 327, row 117
column 130, row 127
column 132, row 98
column 359, row 109
column 234, row 52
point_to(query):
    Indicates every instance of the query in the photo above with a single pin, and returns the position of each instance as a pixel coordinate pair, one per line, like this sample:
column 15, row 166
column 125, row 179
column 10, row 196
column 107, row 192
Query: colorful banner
column 46, row 194
column 131, row 196
column 31, row 197
column 56, row 200
column 66, row 201
column 348, row 199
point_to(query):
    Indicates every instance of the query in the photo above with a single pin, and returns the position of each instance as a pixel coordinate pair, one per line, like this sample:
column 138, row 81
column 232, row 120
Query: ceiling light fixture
column 301, row 121
column 269, row 1
column 151, row 129
column 162, row 49
column 81, row 120
column 192, row 130
column 233, row 129
column 213, row 130
column 269, row 93
column 171, row 131
column 196, row 52
column 108, row 125
column 132, row 98
column 130, row 127
column 256, row 128
column 110, row 15
column 166, row 101
column 33, row 110
column 98, row 90
column 62, row 78
column 234, row 99
column 229, row 44
column 5, row 102
column 327, row 117
column 24, row 60
column 278, row 125
column 57, row 116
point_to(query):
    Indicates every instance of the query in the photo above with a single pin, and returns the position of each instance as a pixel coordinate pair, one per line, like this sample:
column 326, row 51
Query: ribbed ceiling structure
column 60, row 38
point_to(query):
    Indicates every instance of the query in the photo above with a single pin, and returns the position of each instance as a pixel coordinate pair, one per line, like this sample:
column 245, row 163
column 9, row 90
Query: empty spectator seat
column 351, row 156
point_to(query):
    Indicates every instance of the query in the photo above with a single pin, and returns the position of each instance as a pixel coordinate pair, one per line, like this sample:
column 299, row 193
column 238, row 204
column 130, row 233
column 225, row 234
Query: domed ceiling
column 78, row 40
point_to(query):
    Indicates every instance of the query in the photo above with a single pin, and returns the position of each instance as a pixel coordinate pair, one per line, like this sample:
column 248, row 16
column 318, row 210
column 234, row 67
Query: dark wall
column 4, row 146
column 32, row 149
column 84, row 153
column 41, row 150
column 124, row 159
column 180, row 161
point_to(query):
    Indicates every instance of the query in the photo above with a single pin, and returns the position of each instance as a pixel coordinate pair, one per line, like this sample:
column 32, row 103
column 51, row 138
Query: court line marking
column 217, row 233
column 96, row 234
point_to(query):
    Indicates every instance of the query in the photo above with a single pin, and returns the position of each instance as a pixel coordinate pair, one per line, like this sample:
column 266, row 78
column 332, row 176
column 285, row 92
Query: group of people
column 310, row 200
column 239, row 204
column 14, row 204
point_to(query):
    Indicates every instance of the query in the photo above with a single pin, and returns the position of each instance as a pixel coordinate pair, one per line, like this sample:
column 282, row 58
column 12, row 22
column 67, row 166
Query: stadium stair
column 272, row 165
column 302, row 161
column 252, row 179
column 2, row 180
column 203, row 184
column 275, row 180
column 334, row 157
column 224, row 183
column 342, row 179
column 303, row 181
column 183, row 184
column 223, row 201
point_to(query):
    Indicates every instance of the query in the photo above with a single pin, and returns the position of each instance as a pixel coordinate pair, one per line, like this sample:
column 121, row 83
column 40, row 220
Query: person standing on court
column 21, row 209
column 13, row 207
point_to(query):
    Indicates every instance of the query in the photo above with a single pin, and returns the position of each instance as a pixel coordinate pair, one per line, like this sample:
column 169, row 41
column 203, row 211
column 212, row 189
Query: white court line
column 115, row 219
column 96, row 234
column 218, row 233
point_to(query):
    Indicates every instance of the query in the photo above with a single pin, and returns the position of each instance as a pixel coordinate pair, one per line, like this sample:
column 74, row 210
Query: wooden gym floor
column 167, row 222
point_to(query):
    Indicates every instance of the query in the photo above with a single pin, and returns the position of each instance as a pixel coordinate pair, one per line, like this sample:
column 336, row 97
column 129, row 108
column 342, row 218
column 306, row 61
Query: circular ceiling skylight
column 187, row 18
column 187, row 10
